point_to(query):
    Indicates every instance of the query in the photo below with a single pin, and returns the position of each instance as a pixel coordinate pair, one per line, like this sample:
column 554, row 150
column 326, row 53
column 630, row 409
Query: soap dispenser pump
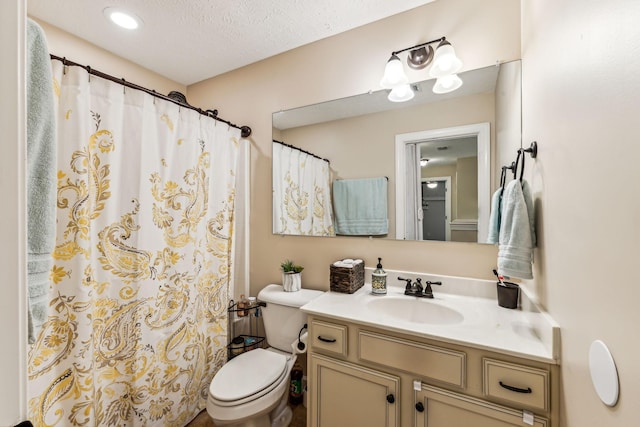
column 379, row 280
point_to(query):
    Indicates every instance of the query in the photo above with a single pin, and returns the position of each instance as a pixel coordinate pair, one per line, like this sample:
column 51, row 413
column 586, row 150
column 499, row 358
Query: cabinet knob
column 391, row 398
column 419, row 407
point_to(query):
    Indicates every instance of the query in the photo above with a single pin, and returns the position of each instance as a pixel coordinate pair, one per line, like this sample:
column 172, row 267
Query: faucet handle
column 428, row 292
column 408, row 286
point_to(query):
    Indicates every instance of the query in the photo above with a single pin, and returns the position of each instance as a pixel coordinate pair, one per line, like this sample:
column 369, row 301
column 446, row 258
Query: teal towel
column 517, row 233
column 41, row 175
column 360, row 207
column 494, row 218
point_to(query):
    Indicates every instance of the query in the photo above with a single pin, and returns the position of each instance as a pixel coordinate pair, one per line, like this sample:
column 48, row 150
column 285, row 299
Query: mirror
column 359, row 136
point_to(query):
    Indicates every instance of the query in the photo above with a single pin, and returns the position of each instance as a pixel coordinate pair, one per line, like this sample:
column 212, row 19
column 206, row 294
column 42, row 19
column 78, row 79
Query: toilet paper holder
column 301, row 345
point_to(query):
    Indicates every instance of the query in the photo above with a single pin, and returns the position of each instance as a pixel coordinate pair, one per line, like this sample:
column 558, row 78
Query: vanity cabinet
column 346, row 394
column 439, row 407
column 359, row 375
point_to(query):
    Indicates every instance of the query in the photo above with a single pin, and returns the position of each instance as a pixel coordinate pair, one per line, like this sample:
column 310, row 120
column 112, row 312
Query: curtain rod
column 300, row 149
column 182, row 102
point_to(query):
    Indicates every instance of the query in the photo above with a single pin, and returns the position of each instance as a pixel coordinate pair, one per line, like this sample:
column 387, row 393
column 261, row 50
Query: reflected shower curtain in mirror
column 301, row 193
column 137, row 320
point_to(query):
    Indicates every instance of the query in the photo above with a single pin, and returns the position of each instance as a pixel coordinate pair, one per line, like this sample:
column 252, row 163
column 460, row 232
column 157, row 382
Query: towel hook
column 533, row 149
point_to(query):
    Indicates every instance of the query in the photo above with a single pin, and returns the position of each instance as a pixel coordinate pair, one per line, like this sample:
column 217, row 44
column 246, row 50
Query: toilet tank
column 282, row 316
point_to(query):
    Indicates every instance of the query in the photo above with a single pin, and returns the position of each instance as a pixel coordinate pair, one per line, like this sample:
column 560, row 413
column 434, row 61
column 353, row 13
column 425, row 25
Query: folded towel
column 347, row 263
column 360, row 206
column 494, row 218
column 517, row 235
column 41, row 175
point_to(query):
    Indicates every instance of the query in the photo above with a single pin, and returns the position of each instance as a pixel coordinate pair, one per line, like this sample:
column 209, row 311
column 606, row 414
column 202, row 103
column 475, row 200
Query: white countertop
column 524, row 332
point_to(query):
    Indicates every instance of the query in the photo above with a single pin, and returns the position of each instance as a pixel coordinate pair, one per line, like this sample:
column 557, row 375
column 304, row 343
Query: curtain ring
column 64, row 65
column 124, row 86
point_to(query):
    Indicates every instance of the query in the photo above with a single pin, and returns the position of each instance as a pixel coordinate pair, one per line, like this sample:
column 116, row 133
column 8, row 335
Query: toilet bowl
column 251, row 389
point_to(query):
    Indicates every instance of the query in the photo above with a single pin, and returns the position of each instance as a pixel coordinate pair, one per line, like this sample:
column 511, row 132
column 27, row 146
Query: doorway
column 436, row 209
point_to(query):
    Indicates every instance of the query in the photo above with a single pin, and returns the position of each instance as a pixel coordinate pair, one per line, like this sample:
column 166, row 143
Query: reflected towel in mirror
column 360, row 206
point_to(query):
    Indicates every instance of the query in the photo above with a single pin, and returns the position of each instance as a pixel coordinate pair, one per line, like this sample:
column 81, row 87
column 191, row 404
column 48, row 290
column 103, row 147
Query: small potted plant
column 291, row 276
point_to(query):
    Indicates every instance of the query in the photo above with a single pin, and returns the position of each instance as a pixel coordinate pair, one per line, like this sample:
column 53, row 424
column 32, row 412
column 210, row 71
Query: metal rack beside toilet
column 247, row 327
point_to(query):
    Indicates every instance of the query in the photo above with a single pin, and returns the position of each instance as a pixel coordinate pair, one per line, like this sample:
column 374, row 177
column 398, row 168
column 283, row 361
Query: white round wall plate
column 604, row 374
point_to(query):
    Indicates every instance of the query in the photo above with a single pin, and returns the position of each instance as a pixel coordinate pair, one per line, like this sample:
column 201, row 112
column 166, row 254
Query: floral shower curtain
column 137, row 322
column 301, row 193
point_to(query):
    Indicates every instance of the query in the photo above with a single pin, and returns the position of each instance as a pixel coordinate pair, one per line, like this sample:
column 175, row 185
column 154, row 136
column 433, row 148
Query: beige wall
column 581, row 95
column 344, row 65
column 508, row 129
column 467, row 186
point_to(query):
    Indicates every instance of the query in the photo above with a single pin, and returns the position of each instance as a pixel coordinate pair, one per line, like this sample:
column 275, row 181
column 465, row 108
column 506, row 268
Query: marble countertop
column 526, row 332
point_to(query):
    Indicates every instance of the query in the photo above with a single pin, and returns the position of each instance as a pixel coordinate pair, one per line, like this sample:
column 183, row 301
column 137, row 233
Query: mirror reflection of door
column 436, row 209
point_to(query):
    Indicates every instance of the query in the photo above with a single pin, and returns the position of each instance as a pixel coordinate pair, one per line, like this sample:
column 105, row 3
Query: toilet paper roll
column 302, row 340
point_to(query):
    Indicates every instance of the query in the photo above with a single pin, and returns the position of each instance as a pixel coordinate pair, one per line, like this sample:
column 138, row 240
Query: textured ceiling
column 192, row 40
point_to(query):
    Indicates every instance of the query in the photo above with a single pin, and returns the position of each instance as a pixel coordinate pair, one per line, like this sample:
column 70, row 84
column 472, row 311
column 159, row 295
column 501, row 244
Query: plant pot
column 508, row 294
column 291, row 282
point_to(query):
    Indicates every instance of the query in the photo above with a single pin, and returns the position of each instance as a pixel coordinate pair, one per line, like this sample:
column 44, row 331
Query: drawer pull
column 391, row 398
column 516, row 389
column 330, row 340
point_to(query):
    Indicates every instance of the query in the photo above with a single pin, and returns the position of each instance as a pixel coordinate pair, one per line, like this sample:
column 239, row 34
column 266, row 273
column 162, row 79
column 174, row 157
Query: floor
column 299, row 418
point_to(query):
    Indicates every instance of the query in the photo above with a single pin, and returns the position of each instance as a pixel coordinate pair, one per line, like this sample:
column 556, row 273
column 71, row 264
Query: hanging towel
column 360, row 206
column 494, row 218
column 517, row 234
column 41, row 176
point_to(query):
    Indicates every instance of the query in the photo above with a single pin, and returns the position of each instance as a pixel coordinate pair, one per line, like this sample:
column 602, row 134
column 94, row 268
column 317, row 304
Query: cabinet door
column 442, row 408
column 343, row 394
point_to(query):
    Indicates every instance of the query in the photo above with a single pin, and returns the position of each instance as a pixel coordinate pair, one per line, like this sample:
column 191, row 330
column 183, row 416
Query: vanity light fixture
column 423, row 162
column 444, row 68
column 122, row 18
column 432, row 184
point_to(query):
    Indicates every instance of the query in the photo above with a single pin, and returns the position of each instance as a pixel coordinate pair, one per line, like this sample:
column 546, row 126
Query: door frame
column 482, row 131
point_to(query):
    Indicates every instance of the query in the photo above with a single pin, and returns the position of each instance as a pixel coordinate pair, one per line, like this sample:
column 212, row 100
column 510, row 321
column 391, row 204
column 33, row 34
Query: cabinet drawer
column 517, row 384
column 330, row 337
column 440, row 364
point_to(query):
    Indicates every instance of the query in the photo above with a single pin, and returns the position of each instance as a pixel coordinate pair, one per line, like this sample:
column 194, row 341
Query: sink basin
column 415, row 310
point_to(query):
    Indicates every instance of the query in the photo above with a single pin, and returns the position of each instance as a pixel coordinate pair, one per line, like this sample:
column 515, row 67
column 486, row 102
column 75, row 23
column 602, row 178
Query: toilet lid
column 247, row 374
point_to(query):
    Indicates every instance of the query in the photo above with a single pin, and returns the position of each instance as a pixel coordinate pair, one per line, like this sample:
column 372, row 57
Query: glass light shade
column 401, row 94
column 432, row 184
column 394, row 75
column 445, row 61
column 447, row 84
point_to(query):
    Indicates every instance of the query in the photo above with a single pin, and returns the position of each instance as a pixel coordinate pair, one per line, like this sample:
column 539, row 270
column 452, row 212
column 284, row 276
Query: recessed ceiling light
column 122, row 18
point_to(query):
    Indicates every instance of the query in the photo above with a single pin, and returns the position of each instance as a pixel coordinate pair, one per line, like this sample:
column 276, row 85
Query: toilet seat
column 248, row 377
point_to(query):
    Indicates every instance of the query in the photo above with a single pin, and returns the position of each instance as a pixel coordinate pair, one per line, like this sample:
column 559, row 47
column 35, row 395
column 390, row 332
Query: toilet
column 251, row 390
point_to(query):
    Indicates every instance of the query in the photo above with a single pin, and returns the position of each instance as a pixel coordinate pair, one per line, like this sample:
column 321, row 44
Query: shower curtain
column 301, row 193
column 137, row 321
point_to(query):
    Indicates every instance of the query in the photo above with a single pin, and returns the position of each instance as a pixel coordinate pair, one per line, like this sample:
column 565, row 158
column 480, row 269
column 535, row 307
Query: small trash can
column 508, row 294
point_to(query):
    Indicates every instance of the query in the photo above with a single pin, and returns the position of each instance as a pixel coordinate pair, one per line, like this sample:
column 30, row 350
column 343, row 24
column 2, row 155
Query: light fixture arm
column 441, row 39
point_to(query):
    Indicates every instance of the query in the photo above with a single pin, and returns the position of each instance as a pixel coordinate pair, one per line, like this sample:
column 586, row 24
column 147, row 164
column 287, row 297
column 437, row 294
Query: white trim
column 464, row 225
column 13, row 304
column 482, row 132
column 246, row 191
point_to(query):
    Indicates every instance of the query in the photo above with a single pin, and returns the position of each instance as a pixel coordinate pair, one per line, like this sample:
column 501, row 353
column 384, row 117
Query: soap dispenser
column 379, row 280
